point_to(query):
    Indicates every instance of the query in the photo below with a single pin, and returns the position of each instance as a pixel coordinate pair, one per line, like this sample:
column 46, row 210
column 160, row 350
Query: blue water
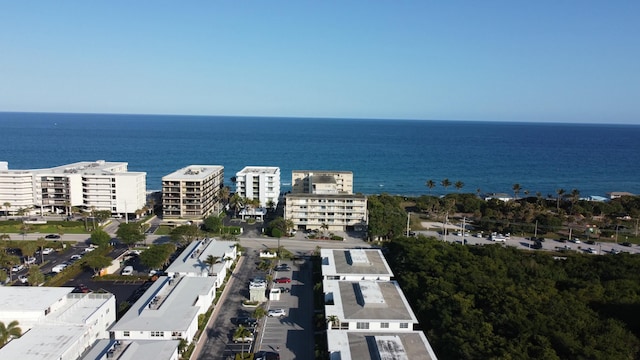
column 393, row 156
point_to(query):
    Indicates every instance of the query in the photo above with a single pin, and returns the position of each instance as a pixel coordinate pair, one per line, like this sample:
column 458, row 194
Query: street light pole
column 408, row 217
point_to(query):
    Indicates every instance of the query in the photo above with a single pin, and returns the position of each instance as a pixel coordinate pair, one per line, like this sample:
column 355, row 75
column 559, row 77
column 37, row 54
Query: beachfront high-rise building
column 259, row 182
column 325, row 199
column 90, row 185
column 192, row 192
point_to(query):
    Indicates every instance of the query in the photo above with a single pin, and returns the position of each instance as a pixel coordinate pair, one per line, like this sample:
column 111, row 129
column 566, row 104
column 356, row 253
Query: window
column 176, row 334
column 404, row 325
column 157, row 334
column 384, row 325
column 362, row 325
column 125, row 333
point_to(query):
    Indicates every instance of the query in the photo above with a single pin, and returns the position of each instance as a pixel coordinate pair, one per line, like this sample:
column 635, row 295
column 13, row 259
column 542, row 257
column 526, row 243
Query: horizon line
column 323, row 118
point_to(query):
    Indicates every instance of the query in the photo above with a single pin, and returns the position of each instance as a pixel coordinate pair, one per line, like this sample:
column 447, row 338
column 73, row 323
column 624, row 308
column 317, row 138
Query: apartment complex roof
column 341, row 195
column 368, row 301
column 40, row 298
column 192, row 259
column 132, row 350
column 345, row 262
column 194, row 172
column 46, row 341
column 259, row 170
column 169, row 304
column 380, row 345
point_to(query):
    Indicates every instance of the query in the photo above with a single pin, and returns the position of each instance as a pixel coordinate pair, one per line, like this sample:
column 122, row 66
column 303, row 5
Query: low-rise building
column 259, row 182
column 192, row 192
column 168, row 310
column 193, row 260
column 368, row 316
column 56, row 323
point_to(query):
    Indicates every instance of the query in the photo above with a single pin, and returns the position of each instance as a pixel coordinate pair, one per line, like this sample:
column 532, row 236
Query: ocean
column 385, row 156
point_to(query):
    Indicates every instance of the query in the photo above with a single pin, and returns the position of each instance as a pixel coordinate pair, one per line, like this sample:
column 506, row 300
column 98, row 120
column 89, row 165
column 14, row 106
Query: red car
column 283, row 280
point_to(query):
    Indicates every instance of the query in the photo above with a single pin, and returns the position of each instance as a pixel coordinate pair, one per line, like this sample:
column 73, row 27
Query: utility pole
column 535, row 232
column 408, row 217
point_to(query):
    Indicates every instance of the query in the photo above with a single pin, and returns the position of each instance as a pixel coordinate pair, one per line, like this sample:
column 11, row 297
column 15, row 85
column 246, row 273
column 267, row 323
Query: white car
column 30, row 260
column 47, row 251
column 75, row 257
column 89, row 249
column 58, row 268
column 127, row 271
column 276, row 313
column 17, row 268
column 23, row 279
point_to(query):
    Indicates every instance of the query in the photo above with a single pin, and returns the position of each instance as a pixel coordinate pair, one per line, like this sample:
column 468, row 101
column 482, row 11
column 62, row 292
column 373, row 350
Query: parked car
column 17, row 268
column 284, row 289
column 627, row 244
column 282, row 280
column 58, row 268
column 52, row 236
column 82, row 288
column 23, row 279
column 127, row 271
column 284, row 267
column 247, row 322
column 248, row 338
column 47, row 251
column 89, row 249
column 266, row 355
column 30, row 260
column 75, row 257
column 592, row 250
column 276, row 313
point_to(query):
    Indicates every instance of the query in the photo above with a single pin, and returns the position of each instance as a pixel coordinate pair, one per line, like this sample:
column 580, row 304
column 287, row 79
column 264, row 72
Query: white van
column 128, row 271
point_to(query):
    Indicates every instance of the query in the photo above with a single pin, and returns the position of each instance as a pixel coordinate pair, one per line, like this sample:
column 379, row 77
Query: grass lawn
column 51, row 227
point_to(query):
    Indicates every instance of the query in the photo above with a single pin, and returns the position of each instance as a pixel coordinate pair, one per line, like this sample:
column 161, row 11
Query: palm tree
column 560, row 193
column 459, row 185
column 235, row 202
column 430, row 184
column 240, row 333
column 211, row 260
column 224, row 194
column 324, row 227
column 575, row 196
column 334, row 320
column 516, row 190
column 445, row 183
column 289, row 224
column 7, row 332
column 9, row 261
column 41, row 242
column 6, row 205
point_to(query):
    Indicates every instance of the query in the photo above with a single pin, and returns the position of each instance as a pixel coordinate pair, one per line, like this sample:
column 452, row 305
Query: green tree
column 430, row 184
column 97, row 262
column 6, row 205
column 102, row 215
column 560, row 193
column 7, row 332
column 131, row 233
column 41, row 243
column 210, row 261
column 28, row 248
column 516, row 190
column 259, row 313
column 241, row 333
column 8, row 261
column 100, row 238
column 445, row 183
column 458, row 185
column 35, row 276
column 184, row 234
column 236, row 202
column 212, row 224
column 156, row 256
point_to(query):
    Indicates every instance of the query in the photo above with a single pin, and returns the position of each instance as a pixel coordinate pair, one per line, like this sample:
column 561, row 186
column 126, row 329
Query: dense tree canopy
column 100, row 237
column 156, row 256
column 387, row 218
column 131, row 233
column 184, row 234
column 482, row 302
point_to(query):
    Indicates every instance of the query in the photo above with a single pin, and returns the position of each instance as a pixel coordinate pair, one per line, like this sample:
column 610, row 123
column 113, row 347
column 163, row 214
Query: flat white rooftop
column 174, row 308
column 98, row 166
column 39, row 298
column 347, row 262
column 268, row 170
column 368, row 301
column 132, row 350
column 354, row 345
column 43, row 342
column 193, row 172
column 192, row 259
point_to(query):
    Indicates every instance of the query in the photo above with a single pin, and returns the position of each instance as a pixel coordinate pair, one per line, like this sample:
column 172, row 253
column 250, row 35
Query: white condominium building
column 325, row 200
column 97, row 185
column 259, row 182
column 192, row 192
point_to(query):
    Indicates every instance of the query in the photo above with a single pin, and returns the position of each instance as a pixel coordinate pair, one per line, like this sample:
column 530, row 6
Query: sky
column 536, row 61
